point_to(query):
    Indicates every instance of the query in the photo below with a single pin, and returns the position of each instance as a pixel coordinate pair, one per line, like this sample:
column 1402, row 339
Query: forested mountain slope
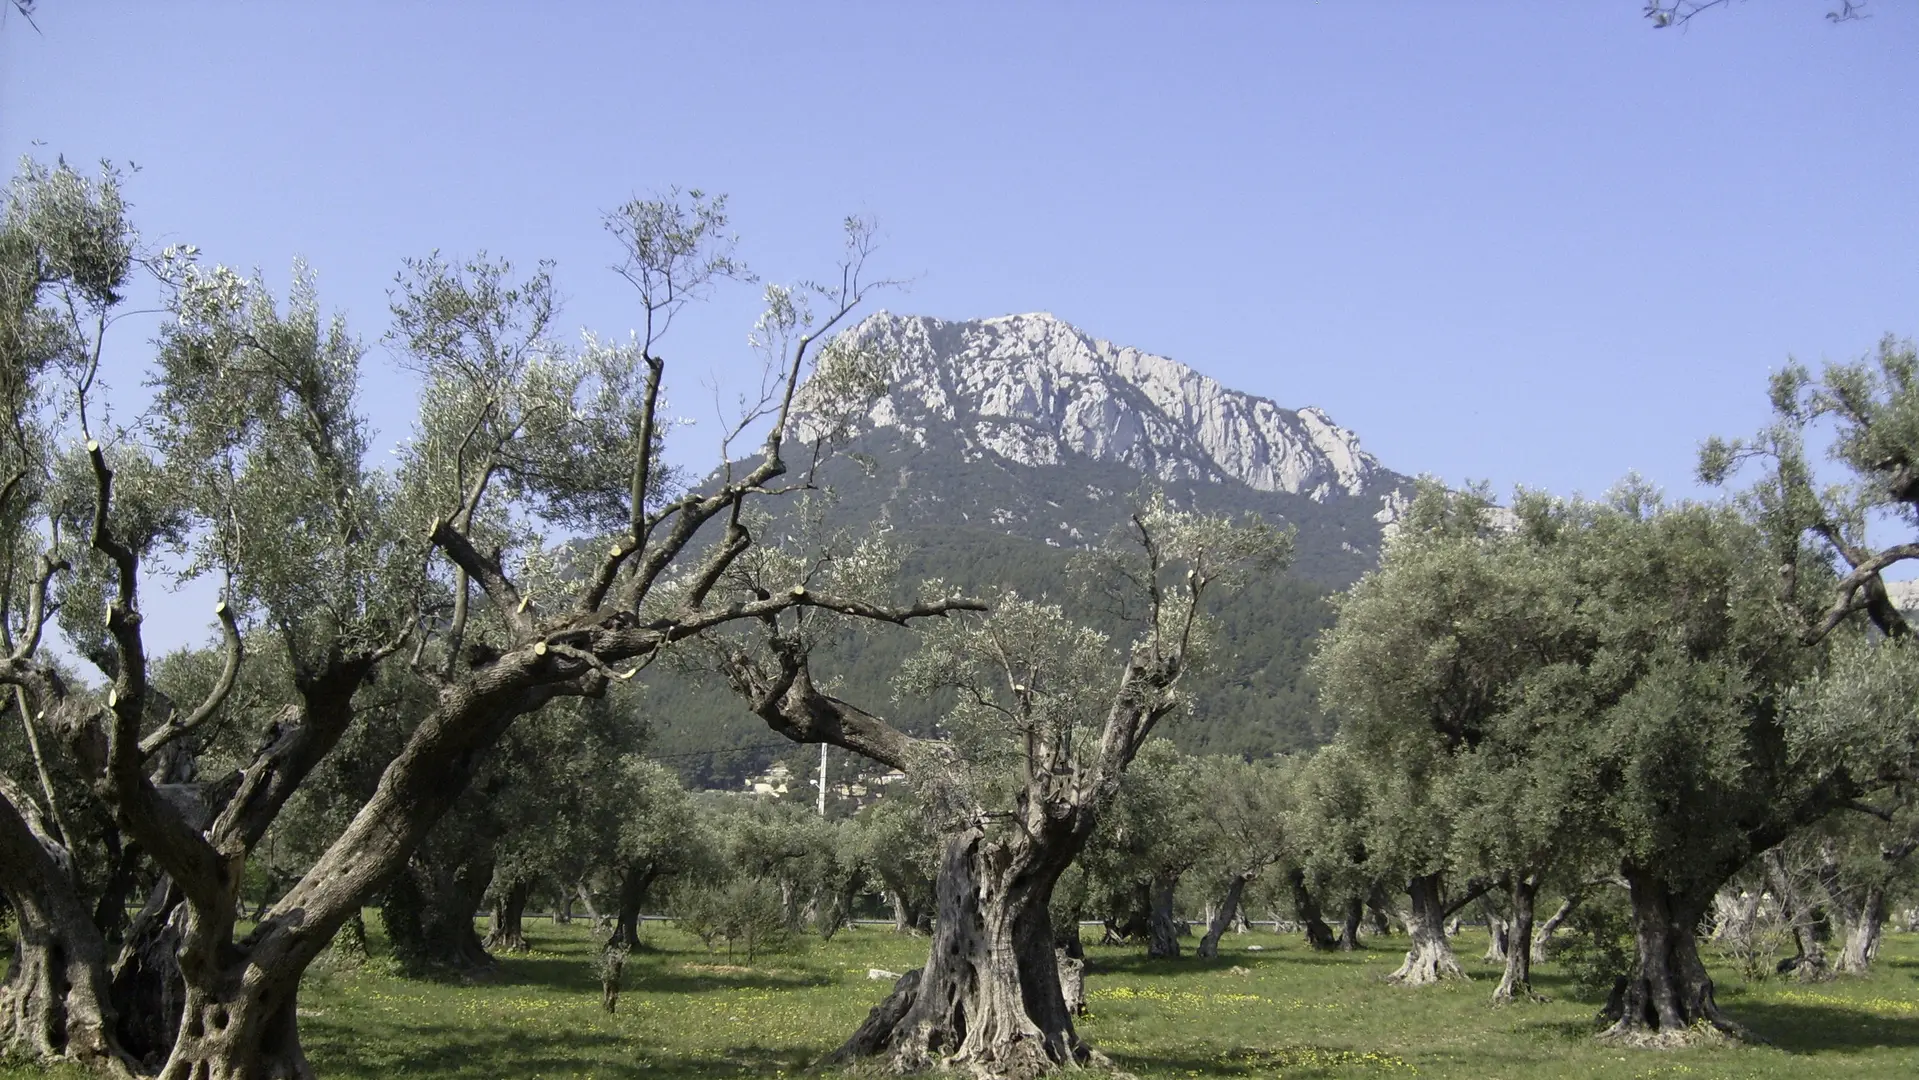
column 1004, row 444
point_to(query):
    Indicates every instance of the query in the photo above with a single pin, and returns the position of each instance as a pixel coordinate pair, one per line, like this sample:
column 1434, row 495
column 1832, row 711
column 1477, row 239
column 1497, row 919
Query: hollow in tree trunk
column 148, row 988
column 989, row 998
column 506, row 926
column 1306, row 910
column 1668, row 991
column 1162, row 935
column 1430, row 959
column 1349, row 924
column 1517, row 983
column 1224, row 917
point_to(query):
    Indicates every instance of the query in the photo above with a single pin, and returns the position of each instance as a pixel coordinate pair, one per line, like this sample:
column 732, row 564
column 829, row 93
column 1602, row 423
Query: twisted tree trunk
column 1377, row 903
column 148, row 989
column 1863, row 925
column 429, row 916
column 506, row 929
column 1226, row 916
column 1431, row 959
column 1349, row 925
column 56, row 1001
column 989, row 998
column 1517, row 982
column 635, row 883
column 1668, row 991
column 1306, row 910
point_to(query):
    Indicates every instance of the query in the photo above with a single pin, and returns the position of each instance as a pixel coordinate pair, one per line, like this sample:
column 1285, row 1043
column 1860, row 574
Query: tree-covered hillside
column 1254, row 700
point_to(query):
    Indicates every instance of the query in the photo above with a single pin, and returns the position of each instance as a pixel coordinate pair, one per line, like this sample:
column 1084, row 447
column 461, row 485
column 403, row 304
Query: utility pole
column 822, row 779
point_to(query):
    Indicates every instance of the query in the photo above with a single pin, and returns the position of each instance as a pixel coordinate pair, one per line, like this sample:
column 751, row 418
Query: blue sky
column 1523, row 242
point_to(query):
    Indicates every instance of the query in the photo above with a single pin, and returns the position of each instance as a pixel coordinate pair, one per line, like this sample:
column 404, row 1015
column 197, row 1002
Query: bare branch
column 1864, row 575
column 217, row 696
column 485, row 570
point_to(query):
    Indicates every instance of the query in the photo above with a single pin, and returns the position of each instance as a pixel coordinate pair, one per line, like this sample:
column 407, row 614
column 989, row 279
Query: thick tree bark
column 149, row 990
column 1431, row 959
column 1669, row 990
column 989, row 998
column 1863, row 925
column 1349, row 925
column 506, row 927
column 1162, row 936
column 429, row 917
column 1224, row 917
column 635, row 883
column 1517, row 983
column 56, row 1001
column 1306, row 910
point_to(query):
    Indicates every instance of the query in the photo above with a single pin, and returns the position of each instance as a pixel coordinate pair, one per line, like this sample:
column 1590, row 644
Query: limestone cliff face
column 1036, row 390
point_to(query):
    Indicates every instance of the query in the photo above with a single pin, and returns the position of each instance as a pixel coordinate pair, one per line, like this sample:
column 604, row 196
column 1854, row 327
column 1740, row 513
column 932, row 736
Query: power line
column 725, row 750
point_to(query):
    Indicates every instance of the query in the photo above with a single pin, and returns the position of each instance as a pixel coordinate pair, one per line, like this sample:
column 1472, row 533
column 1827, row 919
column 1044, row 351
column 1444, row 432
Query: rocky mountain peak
column 1035, row 390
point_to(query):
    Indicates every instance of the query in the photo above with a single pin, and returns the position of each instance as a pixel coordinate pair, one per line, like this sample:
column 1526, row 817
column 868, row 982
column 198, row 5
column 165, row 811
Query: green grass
column 1282, row 1011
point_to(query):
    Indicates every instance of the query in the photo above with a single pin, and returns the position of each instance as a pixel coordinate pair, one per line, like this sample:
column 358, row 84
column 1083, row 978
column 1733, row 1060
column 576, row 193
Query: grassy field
column 1276, row 1011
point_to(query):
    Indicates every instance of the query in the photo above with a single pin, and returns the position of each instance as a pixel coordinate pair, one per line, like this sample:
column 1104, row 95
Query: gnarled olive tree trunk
column 506, row 925
column 1668, row 990
column 908, row 917
column 1863, row 923
column 1517, row 982
column 1224, row 916
column 1349, row 925
column 989, row 997
column 148, row 989
column 1430, row 959
column 635, row 884
column 1306, row 909
column 1162, row 932
column 429, row 912
column 56, row 1001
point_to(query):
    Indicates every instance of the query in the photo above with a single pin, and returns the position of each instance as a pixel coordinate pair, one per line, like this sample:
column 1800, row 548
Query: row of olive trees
column 1658, row 694
column 382, row 632
column 529, row 547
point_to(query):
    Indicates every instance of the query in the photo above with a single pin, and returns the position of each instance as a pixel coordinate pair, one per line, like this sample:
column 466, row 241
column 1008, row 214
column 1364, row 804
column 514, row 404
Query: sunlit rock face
column 1035, row 390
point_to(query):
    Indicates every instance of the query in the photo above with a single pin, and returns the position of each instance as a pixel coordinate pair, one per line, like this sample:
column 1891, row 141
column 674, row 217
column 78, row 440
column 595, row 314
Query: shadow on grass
column 1139, row 964
column 448, row 1050
column 1294, row 1059
column 1789, row 1026
column 1803, row 1028
column 674, row 973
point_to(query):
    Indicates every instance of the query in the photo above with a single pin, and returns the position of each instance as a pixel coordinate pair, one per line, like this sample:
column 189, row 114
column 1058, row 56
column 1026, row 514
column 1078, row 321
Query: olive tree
column 257, row 467
column 1242, row 808
column 1047, row 718
column 1654, row 663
